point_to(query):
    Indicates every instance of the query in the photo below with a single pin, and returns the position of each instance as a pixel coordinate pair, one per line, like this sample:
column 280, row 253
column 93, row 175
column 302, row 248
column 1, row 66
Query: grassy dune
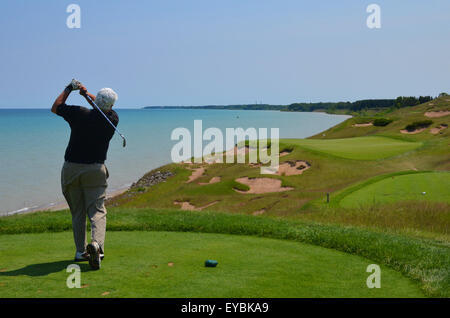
column 359, row 148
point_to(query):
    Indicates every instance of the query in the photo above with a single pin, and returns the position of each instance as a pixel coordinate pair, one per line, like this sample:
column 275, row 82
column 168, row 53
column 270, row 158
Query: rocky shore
column 148, row 180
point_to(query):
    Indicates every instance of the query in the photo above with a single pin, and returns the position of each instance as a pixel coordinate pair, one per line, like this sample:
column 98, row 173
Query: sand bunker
column 412, row 132
column 259, row 212
column 437, row 114
column 213, row 180
column 437, row 130
column 363, row 125
column 238, row 151
column 221, row 157
column 196, row 173
column 291, row 168
column 284, row 153
column 262, row 185
column 186, row 206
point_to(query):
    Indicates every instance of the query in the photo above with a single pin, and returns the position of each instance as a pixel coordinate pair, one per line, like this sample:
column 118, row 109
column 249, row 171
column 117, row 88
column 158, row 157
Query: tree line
column 358, row 105
column 399, row 102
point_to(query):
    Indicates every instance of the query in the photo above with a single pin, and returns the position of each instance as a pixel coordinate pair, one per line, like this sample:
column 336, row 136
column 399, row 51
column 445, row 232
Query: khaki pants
column 84, row 187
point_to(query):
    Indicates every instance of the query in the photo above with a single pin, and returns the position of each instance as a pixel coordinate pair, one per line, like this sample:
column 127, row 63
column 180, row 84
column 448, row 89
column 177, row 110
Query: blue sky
column 202, row 52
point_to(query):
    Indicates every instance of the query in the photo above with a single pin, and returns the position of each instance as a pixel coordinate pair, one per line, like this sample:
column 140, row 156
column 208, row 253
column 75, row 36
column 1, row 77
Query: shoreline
column 61, row 205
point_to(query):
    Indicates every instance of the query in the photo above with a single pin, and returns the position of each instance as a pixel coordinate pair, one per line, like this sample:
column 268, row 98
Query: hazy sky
column 201, row 52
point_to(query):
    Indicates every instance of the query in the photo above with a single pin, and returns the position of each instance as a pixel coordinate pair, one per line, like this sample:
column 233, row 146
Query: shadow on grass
column 44, row 269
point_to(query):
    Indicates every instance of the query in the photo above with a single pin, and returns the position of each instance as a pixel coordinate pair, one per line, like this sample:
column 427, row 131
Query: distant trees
column 359, row 105
column 403, row 101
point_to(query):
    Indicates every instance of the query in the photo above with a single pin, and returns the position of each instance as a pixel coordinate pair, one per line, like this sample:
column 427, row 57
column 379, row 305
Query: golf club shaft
column 106, row 117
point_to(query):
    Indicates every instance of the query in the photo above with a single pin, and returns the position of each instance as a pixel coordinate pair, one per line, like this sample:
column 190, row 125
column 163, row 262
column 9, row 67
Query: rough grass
column 171, row 264
column 412, row 218
column 401, row 118
column 421, row 260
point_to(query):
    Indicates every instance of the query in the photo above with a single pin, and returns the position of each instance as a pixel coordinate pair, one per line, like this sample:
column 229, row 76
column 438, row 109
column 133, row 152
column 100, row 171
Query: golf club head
column 124, row 143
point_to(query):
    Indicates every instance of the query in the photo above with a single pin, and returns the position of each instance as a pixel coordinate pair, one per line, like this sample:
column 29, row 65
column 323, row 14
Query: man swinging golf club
column 84, row 174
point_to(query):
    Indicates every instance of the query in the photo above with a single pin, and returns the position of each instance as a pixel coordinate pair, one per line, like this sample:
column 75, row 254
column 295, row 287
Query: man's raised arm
column 61, row 99
column 84, row 92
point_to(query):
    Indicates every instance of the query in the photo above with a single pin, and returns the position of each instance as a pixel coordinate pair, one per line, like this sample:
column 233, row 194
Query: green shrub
column 418, row 125
column 240, row 187
column 382, row 122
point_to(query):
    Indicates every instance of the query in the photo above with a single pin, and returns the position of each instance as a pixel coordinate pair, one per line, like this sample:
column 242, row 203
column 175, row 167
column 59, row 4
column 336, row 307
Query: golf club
column 76, row 84
column 115, row 128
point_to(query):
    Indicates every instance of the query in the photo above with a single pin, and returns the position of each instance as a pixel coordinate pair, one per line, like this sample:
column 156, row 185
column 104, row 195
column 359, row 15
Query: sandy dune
column 291, row 168
column 362, row 125
column 404, row 131
column 437, row 114
column 185, row 205
column 259, row 212
column 437, row 130
column 262, row 185
column 196, row 173
column 213, row 180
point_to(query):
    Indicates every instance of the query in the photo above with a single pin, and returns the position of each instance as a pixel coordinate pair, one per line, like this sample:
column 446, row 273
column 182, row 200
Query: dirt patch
column 186, row 206
column 196, row 173
column 213, row 180
column 413, row 132
column 259, row 212
column 262, row 185
column 284, row 153
column 437, row 114
column 291, row 168
column 237, row 151
column 214, row 158
column 437, row 130
column 363, row 125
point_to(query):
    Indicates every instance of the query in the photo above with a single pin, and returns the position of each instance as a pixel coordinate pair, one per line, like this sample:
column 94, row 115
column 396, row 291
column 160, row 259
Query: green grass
column 359, row 148
column 424, row 216
column 402, row 188
column 421, row 260
column 137, row 265
column 420, row 219
column 401, row 118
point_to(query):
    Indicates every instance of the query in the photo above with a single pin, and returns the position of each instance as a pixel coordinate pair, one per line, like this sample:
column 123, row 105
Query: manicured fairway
column 359, row 148
column 408, row 187
column 171, row 264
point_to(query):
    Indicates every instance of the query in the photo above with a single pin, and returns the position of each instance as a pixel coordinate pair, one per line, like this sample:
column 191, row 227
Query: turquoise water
column 33, row 141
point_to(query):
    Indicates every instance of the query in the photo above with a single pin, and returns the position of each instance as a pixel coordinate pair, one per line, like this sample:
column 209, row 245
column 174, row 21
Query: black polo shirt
column 90, row 133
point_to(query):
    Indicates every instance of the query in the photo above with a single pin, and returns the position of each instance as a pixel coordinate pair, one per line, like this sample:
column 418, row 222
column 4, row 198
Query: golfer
column 84, row 174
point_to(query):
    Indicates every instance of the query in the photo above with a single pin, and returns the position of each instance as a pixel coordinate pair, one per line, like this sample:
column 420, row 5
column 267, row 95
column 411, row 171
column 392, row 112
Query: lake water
column 33, row 141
